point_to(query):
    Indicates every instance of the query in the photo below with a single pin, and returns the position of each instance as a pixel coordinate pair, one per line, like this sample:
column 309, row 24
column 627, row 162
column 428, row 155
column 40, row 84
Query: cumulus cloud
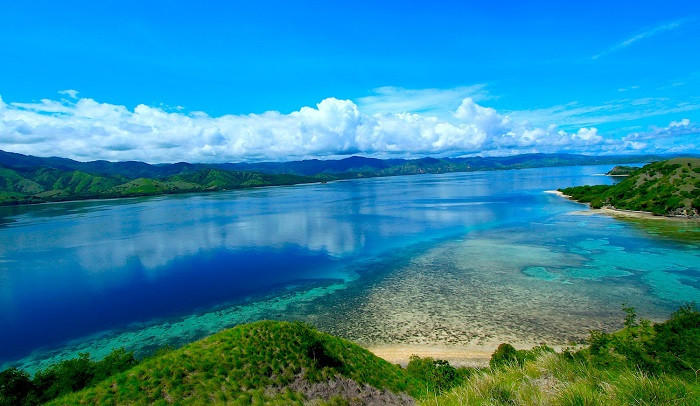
column 86, row 129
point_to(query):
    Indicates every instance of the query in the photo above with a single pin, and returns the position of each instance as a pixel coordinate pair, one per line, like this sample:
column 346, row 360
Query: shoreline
column 308, row 182
column 473, row 356
column 619, row 213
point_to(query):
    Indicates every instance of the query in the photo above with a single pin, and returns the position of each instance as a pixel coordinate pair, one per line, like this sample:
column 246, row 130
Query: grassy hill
column 668, row 188
column 42, row 184
column 286, row 363
column 264, row 362
column 622, row 170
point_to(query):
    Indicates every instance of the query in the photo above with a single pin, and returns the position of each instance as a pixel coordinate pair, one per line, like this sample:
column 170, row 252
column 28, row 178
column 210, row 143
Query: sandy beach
column 619, row 212
column 458, row 357
column 558, row 193
column 469, row 356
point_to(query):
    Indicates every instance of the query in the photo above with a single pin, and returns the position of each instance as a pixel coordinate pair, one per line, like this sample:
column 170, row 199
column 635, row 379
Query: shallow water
column 452, row 259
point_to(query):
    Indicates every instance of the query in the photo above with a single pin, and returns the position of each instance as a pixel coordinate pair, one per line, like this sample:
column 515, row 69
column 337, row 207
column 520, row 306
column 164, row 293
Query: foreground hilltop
column 666, row 188
column 284, row 363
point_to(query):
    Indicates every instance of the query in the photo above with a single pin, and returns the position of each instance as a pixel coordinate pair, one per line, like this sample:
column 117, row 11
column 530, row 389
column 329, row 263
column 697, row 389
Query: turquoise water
column 451, row 259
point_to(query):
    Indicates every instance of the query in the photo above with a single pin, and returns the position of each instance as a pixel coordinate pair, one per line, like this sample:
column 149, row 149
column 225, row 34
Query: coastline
column 310, row 181
column 473, row 356
column 476, row 357
column 619, row 213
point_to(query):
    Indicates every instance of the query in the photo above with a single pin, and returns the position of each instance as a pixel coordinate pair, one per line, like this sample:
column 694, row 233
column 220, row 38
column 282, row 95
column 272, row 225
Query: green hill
column 284, row 363
column 264, row 362
column 622, row 170
column 43, row 184
column 668, row 188
column 26, row 179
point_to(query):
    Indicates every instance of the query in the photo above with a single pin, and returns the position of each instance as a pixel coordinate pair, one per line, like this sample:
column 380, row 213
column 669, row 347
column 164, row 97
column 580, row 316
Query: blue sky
column 184, row 80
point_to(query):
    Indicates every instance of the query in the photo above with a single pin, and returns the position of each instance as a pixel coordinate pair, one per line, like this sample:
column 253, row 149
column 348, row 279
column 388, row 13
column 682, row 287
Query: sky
column 212, row 81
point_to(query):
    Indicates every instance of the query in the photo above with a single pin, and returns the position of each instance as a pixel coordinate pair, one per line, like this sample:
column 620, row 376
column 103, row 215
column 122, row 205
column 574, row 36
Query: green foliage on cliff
column 663, row 188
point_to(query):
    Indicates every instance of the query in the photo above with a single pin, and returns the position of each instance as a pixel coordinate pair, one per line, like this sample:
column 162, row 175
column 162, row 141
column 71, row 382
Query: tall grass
column 552, row 379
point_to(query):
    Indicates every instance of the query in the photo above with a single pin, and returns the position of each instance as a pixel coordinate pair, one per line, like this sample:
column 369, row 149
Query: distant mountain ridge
column 26, row 179
column 315, row 167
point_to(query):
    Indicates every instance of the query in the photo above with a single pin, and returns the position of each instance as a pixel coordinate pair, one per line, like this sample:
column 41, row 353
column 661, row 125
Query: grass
column 642, row 364
column 669, row 187
column 285, row 363
column 551, row 379
column 249, row 364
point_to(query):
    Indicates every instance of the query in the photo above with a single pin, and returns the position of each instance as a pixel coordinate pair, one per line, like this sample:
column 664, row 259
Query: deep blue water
column 74, row 271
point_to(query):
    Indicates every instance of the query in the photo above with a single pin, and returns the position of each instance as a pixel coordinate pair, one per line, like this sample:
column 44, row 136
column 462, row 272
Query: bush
column 668, row 347
column 438, row 375
column 506, row 354
column 16, row 387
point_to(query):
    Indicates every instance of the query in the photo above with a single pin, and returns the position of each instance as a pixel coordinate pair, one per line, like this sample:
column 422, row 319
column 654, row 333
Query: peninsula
column 668, row 188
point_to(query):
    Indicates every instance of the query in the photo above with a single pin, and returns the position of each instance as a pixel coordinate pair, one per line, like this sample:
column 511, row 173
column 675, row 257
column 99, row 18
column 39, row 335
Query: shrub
column 506, row 354
column 16, row 388
column 438, row 375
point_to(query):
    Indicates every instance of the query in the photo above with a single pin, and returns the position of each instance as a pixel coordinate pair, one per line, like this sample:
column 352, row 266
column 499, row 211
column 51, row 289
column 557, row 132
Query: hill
column 264, row 362
column 26, row 179
column 284, row 363
column 43, row 184
column 666, row 188
column 622, row 170
column 346, row 167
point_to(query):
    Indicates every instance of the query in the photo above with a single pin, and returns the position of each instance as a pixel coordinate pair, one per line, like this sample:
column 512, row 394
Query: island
column 622, row 170
column 669, row 189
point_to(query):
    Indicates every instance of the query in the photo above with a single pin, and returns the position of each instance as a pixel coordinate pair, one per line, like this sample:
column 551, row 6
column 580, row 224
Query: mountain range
column 30, row 179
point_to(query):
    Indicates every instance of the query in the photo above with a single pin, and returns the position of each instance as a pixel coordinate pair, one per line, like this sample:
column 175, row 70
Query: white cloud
column 650, row 32
column 72, row 93
column 390, row 99
column 86, row 129
column 674, row 129
column 683, row 123
column 575, row 114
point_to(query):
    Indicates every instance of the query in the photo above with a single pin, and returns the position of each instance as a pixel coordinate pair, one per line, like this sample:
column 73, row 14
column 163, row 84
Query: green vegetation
column 39, row 185
column 663, row 188
column 622, row 170
column 435, row 376
column 642, row 364
column 26, row 179
column 285, row 363
column 264, row 362
column 18, row 388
